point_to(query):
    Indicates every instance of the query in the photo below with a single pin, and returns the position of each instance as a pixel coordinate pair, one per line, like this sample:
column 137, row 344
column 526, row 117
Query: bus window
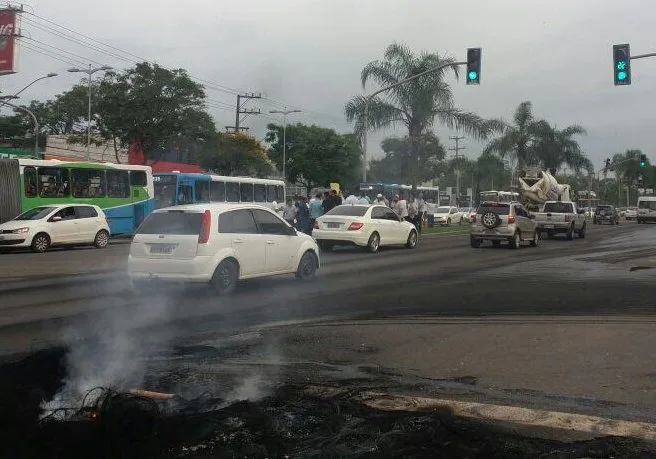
column 271, row 193
column 138, row 178
column 232, row 192
column 202, row 191
column 280, row 193
column 185, row 196
column 118, row 184
column 217, row 191
column 29, row 176
column 164, row 190
column 246, row 192
column 53, row 182
column 260, row 193
column 88, row 183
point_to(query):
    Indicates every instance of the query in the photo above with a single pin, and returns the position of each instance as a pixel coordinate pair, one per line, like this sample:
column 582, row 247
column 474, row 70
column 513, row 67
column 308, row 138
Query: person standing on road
column 351, row 199
column 327, row 203
column 316, row 210
column 412, row 211
column 337, row 199
column 400, row 207
column 422, row 206
column 381, row 201
column 364, row 200
column 289, row 213
column 303, row 215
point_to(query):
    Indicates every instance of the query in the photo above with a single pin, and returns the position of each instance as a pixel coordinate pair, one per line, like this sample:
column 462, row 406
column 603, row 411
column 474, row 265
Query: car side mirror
column 291, row 231
column 56, row 219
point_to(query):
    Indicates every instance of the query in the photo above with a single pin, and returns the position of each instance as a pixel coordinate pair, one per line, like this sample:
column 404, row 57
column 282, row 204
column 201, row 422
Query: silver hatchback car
column 503, row 221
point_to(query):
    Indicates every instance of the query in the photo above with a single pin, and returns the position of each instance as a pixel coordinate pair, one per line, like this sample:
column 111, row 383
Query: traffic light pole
column 642, row 56
column 368, row 98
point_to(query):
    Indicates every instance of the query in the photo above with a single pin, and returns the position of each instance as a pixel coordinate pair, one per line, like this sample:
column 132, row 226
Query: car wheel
column 41, row 243
column 570, row 233
column 325, row 246
column 617, row 222
column 374, row 243
column 582, row 231
column 448, row 222
column 514, row 241
column 307, row 267
column 412, row 240
column 224, row 279
column 475, row 243
column 536, row 239
column 101, row 240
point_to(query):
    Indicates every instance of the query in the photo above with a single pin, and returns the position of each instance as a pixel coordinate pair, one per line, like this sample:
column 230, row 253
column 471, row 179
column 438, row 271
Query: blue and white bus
column 188, row 188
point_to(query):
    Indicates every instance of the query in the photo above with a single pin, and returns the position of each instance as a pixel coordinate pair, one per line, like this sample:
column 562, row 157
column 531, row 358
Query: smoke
column 112, row 350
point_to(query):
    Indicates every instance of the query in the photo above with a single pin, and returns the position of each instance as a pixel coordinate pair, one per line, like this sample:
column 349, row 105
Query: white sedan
column 363, row 226
column 448, row 215
column 58, row 224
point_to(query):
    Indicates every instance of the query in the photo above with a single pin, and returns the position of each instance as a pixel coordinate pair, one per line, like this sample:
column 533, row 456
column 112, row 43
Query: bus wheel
column 41, row 243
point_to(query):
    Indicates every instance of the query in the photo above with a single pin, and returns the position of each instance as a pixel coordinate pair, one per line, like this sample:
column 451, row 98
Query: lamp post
column 50, row 75
column 89, row 72
column 284, row 114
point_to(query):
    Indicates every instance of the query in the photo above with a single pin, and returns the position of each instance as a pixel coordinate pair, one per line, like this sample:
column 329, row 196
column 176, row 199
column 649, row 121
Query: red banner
column 7, row 41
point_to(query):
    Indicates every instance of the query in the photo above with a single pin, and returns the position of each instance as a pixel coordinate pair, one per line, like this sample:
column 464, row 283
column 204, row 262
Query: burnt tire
column 374, row 243
column 411, row 243
column 40, row 243
column 307, row 266
column 224, row 279
column 490, row 220
column 101, row 240
column 514, row 241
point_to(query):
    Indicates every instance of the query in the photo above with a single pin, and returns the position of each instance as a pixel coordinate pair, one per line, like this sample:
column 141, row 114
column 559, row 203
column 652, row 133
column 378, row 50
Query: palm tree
column 516, row 139
column 415, row 105
column 486, row 169
column 553, row 148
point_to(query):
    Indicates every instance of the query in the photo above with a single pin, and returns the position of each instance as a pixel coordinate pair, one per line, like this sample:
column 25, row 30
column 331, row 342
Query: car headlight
column 20, row 230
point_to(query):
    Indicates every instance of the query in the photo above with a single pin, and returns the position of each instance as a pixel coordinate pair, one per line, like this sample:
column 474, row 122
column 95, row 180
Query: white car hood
column 15, row 224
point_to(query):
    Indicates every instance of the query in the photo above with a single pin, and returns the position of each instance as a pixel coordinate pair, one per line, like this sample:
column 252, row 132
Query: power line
column 50, row 55
column 83, row 59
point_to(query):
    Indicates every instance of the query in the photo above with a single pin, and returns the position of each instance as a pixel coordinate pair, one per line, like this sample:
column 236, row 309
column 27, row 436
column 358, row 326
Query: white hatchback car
column 63, row 224
column 363, row 226
column 218, row 244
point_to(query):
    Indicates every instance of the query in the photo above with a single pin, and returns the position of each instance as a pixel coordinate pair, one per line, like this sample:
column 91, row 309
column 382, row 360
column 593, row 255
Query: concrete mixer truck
column 537, row 187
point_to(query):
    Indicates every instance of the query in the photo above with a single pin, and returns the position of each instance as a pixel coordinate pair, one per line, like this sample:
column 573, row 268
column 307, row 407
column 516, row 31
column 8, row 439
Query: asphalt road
column 566, row 324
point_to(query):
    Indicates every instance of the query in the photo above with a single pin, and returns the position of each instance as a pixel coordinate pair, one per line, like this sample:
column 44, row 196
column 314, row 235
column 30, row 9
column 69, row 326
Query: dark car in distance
column 606, row 214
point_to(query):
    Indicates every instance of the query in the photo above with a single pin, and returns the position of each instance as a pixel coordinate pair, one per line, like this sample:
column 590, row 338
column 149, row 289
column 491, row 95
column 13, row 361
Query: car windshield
column 559, row 207
column 348, row 211
column 604, row 208
column 497, row 208
column 35, row 214
column 442, row 210
column 172, row 222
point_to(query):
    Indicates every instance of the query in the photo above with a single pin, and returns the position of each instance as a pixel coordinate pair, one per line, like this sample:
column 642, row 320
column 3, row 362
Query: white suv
column 219, row 244
column 502, row 221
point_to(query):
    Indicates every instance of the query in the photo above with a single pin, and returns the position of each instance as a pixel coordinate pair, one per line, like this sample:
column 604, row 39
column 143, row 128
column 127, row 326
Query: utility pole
column 457, row 155
column 240, row 111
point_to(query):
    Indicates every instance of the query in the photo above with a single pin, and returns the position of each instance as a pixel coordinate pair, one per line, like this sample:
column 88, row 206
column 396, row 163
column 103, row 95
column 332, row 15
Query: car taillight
column 566, row 218
column 355, row 226
column 511, row 219
column 205, row 227
column 316, row 225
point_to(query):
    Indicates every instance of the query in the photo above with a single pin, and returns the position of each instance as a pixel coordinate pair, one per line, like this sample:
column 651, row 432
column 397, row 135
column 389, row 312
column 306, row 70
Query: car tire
column 536, row 239
column 475, row 243
column 374, row 243
column 570, row 233
column 307, row 266
column 325, row 246
column 582, row 231
column 514, row 241
column 448, row 222
column 490, row 220
column 101, row 240
column 224, row 279
column 617, row 222
column 40, row 243
column 411, row 243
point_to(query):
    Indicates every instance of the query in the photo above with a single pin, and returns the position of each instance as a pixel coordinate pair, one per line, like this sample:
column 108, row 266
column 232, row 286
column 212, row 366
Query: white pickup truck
column 561, row 217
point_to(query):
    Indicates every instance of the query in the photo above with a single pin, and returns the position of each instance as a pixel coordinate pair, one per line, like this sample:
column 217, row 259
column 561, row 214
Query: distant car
column 503, row 221
column 57, row 225
column 631, row 213
column 448, row 215
column 218, row 244
column 467, row 213
column 606, row 214
column 370, row 227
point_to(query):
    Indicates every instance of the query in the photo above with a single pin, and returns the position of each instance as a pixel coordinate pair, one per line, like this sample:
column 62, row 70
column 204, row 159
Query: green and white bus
column 124, row 192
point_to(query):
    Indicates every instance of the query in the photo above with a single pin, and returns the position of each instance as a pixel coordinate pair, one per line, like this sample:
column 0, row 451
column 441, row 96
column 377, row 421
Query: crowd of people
column 303, row 211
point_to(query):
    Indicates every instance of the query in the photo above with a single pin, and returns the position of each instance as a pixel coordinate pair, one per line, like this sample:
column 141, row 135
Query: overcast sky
column 308, row 54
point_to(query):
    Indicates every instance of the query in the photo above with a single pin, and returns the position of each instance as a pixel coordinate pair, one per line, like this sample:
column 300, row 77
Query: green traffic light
column 621, row 76
column 472, row 75
column 621, row 65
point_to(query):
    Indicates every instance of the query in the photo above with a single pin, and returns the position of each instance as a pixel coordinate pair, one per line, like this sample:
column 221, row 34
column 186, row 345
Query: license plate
column 161, row 249
column 548, row 226
column 333, row 225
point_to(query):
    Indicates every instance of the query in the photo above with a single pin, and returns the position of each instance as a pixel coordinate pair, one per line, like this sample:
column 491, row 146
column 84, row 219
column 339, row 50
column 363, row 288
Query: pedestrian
column 400, row 207
column 380, row 200
column 364, row 199
column 351, row 200
column 302, row 215
column 327, row 203
column 289, row 212
column 423, row 208
column 337, row 199
column 316, row 210
column 413, row 211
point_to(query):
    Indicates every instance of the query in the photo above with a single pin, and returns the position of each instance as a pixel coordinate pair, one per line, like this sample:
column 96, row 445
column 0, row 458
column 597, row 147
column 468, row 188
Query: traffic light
column 622, row 64
column 473, row 66
column 643, row 160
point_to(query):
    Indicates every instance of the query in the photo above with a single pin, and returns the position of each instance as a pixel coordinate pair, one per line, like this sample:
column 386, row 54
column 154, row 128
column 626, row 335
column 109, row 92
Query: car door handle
column 270, row 242
column 237, row 241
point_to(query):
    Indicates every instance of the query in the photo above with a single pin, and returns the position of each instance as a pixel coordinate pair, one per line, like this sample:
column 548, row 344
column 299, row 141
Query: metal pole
column 640, row 56
column 284, row 148
column 89, row 119
column 368, row 98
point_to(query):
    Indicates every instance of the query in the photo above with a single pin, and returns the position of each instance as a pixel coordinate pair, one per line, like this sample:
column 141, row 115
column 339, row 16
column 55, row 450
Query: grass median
column 464, row 228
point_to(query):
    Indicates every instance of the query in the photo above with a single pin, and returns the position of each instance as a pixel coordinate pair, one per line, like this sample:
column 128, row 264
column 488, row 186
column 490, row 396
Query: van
column 646, row 209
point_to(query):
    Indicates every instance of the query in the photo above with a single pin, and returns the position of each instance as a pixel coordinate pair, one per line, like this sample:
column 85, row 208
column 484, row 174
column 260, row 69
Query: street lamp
column 50, row 75
column 284, row 114
column 89, row 72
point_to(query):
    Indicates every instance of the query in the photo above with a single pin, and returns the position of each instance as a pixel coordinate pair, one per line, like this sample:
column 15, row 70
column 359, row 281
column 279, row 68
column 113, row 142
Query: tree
column 236, row 154
column 403, row 165
column 150, row 106
column 487, row 169
column 315, row 156
column 65, row 114
column 417, row 104
column 552, row 148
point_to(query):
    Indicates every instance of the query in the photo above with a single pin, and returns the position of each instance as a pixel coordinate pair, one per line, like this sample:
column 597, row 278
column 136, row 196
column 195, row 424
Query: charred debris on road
column 288, row 423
